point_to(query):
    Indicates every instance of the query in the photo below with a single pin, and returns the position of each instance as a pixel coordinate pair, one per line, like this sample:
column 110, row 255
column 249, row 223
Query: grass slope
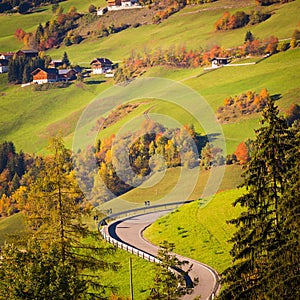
column 143, row 271
column 200, row 232
column 193, row 29
column 30, row 117
column 160, row 189
column 10, row 225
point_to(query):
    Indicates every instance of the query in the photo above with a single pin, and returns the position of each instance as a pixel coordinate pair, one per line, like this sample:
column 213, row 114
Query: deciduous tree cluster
column 54, row 32
column 13, row 166
column 240, row 19
column 269, row 2
column 239, row 105
column 124, row 161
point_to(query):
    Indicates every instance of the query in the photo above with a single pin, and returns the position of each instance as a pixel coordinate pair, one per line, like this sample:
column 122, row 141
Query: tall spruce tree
column 283, row 278
column 260, row 228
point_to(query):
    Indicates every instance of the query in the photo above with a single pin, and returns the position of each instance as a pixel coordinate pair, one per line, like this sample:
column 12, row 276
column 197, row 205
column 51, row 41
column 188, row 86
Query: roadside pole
column 130, row 271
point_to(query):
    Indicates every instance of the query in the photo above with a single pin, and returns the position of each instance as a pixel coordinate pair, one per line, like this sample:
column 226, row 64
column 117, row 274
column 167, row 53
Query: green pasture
column 29, row 118
column 11, row 225
column 200, row 232
column 142, row 271
column 193, row 30
column 161, row 188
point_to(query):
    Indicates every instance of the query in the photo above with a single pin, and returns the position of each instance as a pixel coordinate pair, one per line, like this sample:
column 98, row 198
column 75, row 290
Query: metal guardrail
column 151, row 208
column 128, row 248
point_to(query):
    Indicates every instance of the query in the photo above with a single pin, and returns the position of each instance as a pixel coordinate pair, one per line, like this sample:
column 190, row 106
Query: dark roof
column 28, row 51
column 65, row 71
column 102, row 60
column 7, row 53
column 48, row 70
column 219, row 58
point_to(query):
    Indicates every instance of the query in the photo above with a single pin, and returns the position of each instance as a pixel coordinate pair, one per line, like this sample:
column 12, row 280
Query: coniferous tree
column 260, row 227
column 54, row 208
column 283, row 278
column 65, row 60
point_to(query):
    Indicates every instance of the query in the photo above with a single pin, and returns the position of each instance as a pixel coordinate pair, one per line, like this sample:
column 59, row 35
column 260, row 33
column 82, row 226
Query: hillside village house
column 48, row 75
column 113, row 4
column 218, row 62
column 101, row 65
column 3, row 66
column 7, row 55
column 4, row 60
column 41, row 76
column 66, row 74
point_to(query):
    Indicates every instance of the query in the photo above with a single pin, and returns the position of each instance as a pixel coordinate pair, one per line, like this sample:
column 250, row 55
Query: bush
column 50, row 85
column 92, row 9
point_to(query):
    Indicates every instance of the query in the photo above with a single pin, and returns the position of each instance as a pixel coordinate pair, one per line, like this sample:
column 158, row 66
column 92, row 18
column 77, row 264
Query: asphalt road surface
column 130, row 231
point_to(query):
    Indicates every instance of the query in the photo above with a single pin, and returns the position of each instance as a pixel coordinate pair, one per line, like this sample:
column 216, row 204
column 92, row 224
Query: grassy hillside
column 30, row 117
column 160, row 189
column 190, row 28
column 179, row 29
column 200, row 232
column 11, row 225
column 143, row 271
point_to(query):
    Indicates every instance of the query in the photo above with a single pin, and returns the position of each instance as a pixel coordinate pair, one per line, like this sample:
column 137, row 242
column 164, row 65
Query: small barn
column 55, row 63
column 66, row 74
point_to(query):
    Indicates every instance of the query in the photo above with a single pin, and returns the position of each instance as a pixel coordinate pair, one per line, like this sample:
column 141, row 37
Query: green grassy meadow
column 29, row 118
column 10, row 225
column 200, row 232
column 190, row 29
column 160, row 189
column 143, row 271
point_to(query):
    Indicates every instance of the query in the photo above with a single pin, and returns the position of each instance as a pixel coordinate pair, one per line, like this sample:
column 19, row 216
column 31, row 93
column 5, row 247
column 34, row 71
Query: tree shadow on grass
column 276, row 97
column 95, row 82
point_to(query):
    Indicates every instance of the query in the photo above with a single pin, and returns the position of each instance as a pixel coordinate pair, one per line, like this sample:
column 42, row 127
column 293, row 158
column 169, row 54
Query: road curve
column 130, row 231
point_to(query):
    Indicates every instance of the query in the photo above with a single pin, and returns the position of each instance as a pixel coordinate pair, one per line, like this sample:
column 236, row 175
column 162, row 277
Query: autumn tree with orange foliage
column 242, row 153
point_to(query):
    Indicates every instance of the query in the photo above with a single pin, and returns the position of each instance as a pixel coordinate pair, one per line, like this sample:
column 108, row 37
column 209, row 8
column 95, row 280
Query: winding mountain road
column 130, row 231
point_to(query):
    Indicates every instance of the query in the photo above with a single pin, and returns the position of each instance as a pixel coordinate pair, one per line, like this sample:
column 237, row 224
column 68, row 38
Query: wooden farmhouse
column 41, row 76
column 218, row 62
column 101, row 65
